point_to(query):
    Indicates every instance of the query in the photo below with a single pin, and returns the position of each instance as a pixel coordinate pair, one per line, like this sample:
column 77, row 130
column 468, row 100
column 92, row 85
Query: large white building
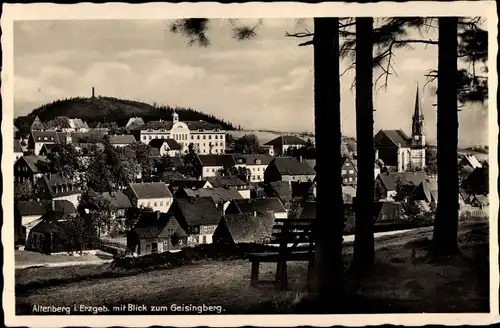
column 207, row 138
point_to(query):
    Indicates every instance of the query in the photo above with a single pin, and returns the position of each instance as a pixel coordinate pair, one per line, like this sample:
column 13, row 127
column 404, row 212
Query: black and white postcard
column 254, row 164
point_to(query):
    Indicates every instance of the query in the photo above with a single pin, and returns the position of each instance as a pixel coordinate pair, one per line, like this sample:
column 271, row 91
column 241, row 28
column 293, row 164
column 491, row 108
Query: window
column 149, row 137
column 345, row 180
column 156, row 204
column 213, row 170
column 350, row 179
column 192, row 137
column 143, row 137
column 198, row 137
column 347, row 164
column 161, row 203
column 210, row 137
column 351, row 171
column 204, row 240
column 149, row 204
column 216, row 137
column 343, row 172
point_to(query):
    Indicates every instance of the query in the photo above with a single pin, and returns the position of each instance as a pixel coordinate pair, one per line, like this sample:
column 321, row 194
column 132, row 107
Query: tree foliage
column 76, row 233
column 97, row 209
column 23, row 190
column 65, row 159
column 248, row 144
column 133, row 215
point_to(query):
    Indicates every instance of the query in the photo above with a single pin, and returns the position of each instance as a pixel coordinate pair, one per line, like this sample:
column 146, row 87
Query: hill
column 108, row 109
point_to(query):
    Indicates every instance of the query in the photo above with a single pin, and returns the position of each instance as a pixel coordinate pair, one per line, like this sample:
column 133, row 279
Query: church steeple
column 417, row 131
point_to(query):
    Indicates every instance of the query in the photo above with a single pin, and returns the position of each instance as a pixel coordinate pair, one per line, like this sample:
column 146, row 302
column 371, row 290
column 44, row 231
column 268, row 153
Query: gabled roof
column 31, row 208
column 407, row 178
column 292, row 166
column 24, row 123
column 246, row 228
column 77, row 123
column 286, row 140
column 126, row 139
column 45, row 136
column 152, row 224
column 218, row 195
column 311, row 162
column 471, row 160
column 176, row 160
column 118, row 199
column 49, row 147
column 280, row 189
column 50, row 221
column 263, row 159
column 217, row 160
column 398, row 137
column 477, row 181
column 198, row 211
column 188, row 183
column 226, row 181
column 33, row 161
column 134, row 122
column 17, row 147
column 172, row 144
column 53, row 181
column 169, row 177
column 150, row 190
column 260, row 205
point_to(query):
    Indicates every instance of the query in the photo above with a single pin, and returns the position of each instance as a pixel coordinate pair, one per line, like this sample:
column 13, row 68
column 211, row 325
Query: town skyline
column 144, row 61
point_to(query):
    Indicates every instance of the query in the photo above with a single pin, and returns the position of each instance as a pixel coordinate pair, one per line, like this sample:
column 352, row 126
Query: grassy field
column 398, row 283
column 35, row 258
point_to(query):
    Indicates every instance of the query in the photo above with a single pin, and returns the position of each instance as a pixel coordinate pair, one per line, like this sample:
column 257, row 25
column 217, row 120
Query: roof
column 226, row 181
column 23, row 122
column 472, row 161
column 286, row 140
column 118, row 199
column 58, row 179
column 167, row 125
column 172, row 144
column 150, row 190
column 49, row 147
column 260, row 205
column 122, row 139
column 311, row 162
column 77, row 123
column 292, row 166
column 254, row 159
column 87, row 137
column 477, row 181
column 281, row 189
column 30, row 208
column 398, row 137
column 151, row 225
column 429, row 189
column 217, row 194
column 171, row 176
column 45, row 136
column 302, row 189
column 134, row 122
column 217, row 160
column 407, row 178
column 49, row 221
column 176, row 160
column 246, row 228
column 198, row 211
column 188, row 183
column 17, row 147
column 33, row 161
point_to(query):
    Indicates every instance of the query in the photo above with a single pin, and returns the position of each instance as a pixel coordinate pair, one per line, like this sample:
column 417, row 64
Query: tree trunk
column 328, row 270
column 364, row 249
column 446, row 222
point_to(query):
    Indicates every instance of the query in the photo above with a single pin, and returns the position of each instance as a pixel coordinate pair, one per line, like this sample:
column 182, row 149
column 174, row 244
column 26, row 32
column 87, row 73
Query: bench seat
column 275, row 256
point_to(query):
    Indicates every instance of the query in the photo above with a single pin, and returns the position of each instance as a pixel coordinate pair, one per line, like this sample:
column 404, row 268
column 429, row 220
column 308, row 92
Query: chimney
column 93, row 92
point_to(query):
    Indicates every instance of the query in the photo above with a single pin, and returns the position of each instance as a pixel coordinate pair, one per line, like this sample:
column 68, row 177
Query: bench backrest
column 293, row 231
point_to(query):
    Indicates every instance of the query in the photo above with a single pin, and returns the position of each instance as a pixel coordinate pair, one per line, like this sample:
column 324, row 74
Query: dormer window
column 44, row 138
column 51, row 138
column 417, row 137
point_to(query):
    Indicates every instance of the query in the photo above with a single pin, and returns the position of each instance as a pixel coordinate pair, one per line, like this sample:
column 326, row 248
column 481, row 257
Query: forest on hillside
column 107, row 109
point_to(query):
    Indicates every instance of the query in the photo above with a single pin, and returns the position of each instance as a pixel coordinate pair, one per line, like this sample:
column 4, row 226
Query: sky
column 263, row 83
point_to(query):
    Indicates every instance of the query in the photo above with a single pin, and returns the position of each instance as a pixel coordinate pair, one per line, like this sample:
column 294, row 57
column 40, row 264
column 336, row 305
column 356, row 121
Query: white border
column 12, row 12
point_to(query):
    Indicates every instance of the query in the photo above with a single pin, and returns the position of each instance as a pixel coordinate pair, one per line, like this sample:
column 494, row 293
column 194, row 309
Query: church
column 398, row 151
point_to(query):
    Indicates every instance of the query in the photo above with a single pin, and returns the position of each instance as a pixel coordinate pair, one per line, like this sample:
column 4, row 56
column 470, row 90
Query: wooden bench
column 286, row 232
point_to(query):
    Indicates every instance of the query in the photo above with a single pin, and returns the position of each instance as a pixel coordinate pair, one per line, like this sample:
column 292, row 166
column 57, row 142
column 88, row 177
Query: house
column 166, row 147
column 18, row 150
column 151, row 194
column 27, row 214
column 280, row 189
column 258, row 206
column 244, row 228
column 121, row 140
column 257, row 165
column 77, row 125
column 220, row 196
column 30, row 168
column 91, row 137
column 170, row 176
column 386, row 183
column 470, row 161
column 189, row 184
column 231, row 181
column 134, row 122
column 284, row 143
column 119, row 201
column 205, row 138
column 289, row 169
column 47, row 149
column 176, row 161
column 211, row 164
column 387, row 211
column 398, row 150
column 426, row 191
column 303, row 190
column 477, row 182
column 349, row 171
column 40, row 138
column 57, row 186
column 269, row 149
column 26, row 124
column 156, row 232
column 198, row 216
column 48, row 236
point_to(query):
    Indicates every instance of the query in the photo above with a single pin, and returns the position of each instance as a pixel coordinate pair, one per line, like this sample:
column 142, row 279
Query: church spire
column 417, row 114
